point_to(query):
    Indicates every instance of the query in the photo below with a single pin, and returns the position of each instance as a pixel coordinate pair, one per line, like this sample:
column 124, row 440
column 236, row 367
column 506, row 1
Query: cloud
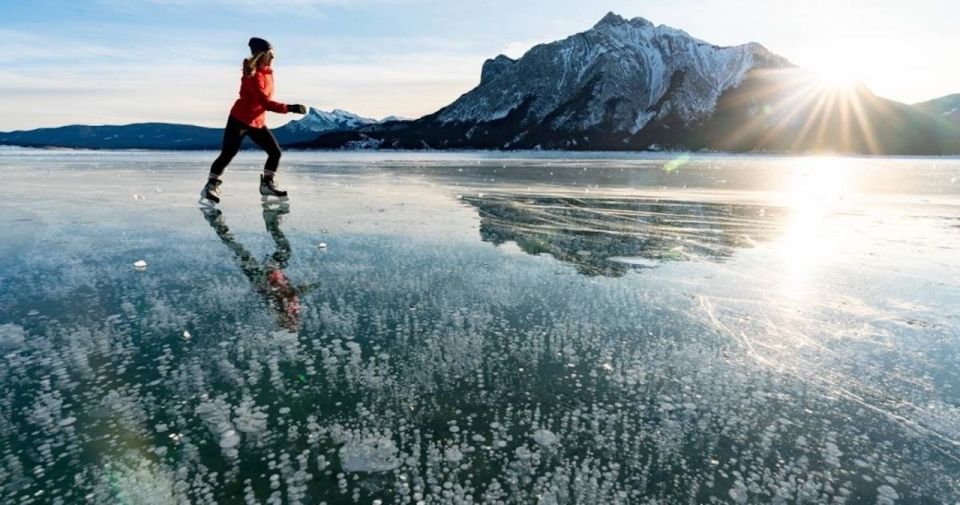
column 409, row 85
column 117, row 92
column 25, row 47
column 308, row 8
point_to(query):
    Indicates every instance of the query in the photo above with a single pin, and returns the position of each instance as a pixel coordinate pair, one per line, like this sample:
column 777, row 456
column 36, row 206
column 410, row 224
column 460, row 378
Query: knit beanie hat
column 258, row 45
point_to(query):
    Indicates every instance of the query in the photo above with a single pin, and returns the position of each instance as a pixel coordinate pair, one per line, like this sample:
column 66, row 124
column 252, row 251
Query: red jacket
column 256, row 98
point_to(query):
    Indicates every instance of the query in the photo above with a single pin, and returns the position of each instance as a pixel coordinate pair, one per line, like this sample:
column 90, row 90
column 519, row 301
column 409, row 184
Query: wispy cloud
column 306, row 8
column 20, row 46
column 24, row 48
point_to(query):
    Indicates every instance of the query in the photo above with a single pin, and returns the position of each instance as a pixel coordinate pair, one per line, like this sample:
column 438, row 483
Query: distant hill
column 175, row 136
column 947, row 107
column 631, row 85
column 133, row 136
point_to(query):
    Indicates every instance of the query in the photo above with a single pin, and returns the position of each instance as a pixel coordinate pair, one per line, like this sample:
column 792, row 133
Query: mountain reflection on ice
column 605, row 236
column 427, row 365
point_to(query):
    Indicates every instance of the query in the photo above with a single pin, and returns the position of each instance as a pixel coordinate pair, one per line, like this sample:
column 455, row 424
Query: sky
column 127, row 61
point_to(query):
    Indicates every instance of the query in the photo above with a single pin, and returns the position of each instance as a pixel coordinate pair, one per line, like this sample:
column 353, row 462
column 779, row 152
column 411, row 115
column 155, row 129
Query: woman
column 248, row 118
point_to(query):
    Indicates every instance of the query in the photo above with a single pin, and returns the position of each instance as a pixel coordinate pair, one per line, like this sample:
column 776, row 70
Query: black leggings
column 233, row 138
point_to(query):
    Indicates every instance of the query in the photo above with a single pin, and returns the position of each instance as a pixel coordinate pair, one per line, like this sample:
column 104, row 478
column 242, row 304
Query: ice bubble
column 322, row 245
column 886, row 495
column 738, row 493
column 545, row 438
column 453, row 454
column 523, row 453
column 371, row 454
column 68, row 421
column 11, row 336
column 140, row 265
column 229, row 439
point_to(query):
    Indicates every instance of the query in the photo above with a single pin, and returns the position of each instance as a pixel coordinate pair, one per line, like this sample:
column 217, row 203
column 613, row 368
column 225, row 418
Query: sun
column 838, row 75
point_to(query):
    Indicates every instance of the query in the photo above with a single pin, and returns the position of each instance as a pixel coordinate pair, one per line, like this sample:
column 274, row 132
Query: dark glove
column 295, row 107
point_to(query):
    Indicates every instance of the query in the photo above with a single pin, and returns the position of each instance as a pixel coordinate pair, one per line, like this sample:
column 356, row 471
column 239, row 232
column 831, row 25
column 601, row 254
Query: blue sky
column 123, row 61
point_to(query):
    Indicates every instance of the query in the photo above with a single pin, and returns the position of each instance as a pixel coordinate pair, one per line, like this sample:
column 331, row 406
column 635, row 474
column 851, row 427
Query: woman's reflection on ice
column 267, row 277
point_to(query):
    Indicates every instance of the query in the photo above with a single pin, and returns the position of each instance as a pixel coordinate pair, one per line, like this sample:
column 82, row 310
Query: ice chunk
column 322, row 245
column 140, row 265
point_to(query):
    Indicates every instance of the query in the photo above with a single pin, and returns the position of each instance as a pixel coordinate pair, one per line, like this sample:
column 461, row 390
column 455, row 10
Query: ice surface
column 796, row 342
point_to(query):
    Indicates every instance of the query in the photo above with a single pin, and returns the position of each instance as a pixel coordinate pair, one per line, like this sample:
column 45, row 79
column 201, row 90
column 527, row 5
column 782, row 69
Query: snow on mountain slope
column 318, row 121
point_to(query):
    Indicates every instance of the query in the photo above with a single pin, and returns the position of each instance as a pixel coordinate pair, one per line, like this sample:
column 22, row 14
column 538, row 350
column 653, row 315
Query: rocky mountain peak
column 493, row 67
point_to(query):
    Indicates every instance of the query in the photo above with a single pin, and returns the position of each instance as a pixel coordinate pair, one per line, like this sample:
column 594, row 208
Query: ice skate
column 210, row 194
column 269, row 192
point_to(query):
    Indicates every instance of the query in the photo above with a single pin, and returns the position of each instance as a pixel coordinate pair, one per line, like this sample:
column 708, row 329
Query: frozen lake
column 480, row 328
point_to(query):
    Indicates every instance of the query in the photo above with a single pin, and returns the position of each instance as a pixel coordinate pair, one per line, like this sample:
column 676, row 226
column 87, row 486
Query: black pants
column 232, row 139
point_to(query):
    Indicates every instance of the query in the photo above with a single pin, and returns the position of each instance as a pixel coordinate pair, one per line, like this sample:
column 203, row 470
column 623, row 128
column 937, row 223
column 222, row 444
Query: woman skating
column 248, row 118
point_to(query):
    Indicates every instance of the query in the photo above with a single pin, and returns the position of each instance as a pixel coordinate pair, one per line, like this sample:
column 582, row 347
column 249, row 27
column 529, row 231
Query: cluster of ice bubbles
column 462, row 384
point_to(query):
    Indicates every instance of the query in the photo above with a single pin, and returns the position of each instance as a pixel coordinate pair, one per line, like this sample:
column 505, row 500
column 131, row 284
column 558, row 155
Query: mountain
column 631, row 85
column 175, row 136
column 947, row 107
column 390, row 119
column 317, row 121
